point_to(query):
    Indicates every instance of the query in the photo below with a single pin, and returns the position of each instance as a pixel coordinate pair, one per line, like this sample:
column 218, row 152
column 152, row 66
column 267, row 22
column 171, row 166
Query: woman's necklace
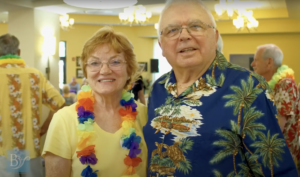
column 86, row 133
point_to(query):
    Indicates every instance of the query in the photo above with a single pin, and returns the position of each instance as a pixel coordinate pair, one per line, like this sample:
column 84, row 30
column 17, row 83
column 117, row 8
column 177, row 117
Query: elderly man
column 268, row 63
column 23, row 91
column 208, row 117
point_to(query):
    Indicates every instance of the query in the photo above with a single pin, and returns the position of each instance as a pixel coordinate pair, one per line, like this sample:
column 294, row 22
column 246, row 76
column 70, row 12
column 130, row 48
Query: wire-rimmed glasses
column 113, row 64
column 196, row 28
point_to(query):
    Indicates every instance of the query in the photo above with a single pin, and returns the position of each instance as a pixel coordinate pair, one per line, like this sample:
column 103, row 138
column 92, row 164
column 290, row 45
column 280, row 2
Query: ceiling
column 155, row 6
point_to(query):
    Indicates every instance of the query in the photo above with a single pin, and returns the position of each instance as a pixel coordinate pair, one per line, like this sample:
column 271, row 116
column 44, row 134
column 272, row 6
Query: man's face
column 188, row 51
column 259, row 64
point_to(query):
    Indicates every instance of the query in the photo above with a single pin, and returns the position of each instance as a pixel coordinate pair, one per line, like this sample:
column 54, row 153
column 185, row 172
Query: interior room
column 52, row 33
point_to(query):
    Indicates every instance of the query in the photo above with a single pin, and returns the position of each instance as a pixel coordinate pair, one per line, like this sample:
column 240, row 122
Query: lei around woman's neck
column 86, row 145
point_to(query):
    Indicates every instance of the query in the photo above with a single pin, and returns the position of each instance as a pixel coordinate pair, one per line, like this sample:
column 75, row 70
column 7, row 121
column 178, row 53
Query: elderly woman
column 101, row 134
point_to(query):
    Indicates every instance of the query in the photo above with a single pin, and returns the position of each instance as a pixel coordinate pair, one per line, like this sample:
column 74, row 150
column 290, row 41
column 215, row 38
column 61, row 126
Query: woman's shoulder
column 140, row 106
column 67, row 112
column 142, row 113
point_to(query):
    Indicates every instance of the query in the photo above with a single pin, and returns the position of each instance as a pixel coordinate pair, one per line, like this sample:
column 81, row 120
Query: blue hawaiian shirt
column 224, row 124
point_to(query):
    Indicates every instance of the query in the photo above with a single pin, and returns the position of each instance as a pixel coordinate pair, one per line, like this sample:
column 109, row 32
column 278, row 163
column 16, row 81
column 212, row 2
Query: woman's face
column 111, row 77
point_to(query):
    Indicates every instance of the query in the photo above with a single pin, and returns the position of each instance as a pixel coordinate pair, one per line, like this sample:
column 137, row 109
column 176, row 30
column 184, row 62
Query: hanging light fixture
column 137, row 14
column 66, row 22
column 244, row 18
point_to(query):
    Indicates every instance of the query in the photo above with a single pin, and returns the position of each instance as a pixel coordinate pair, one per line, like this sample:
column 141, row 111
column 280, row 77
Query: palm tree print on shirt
column 270, row 148
column 242, row 98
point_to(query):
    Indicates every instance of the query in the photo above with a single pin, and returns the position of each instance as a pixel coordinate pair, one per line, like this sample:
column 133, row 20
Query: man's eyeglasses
column 113, row 64
column 195, row 29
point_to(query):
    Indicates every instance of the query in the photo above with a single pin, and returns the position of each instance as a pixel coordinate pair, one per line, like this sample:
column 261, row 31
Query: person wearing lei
column 24, row 90
column 268, row 63
column 101, row 134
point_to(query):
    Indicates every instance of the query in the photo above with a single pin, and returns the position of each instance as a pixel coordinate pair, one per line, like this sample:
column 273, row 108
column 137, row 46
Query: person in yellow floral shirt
column 23, row 91
column 268, row 63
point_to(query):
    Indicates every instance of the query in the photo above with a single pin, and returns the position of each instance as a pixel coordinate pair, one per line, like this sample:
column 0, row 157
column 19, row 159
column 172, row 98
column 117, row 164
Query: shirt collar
column 213, row 76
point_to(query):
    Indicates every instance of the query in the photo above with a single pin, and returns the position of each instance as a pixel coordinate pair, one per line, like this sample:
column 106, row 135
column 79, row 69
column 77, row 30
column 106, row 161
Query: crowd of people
column 206, row 117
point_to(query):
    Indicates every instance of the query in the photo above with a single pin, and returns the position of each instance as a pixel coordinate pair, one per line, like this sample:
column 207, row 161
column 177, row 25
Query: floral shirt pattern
column 287, row 104
column 21, row 92
column 16, row 105
column 222, row 125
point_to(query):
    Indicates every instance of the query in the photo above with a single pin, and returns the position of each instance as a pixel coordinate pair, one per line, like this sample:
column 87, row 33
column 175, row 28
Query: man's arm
column 282, row 121
column 46, row 124
column 269, row 135
column 286, row 99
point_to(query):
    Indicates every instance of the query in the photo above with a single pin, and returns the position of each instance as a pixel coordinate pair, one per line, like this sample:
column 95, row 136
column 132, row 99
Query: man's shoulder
column 239, row 73
column 286, row 80
column 28, row 69
column 162, row 79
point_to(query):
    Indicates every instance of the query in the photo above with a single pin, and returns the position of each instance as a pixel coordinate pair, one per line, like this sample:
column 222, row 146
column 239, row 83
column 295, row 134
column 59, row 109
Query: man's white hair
column 171, row 2
column 220, row 44
column 272, row 51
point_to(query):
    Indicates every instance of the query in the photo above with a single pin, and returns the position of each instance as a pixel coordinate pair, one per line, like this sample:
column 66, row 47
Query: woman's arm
column 57, row 166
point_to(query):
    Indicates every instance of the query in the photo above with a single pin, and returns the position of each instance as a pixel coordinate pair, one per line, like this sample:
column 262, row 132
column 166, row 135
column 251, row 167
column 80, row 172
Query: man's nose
column 184, row 34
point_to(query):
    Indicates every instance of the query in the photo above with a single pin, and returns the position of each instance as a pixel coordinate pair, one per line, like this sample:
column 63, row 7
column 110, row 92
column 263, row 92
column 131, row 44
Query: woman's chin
column 107, row 91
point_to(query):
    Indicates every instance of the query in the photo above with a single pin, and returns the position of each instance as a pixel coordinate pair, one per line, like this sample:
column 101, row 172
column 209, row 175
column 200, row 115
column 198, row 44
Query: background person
column 268, row 63
column 23, row 91
column 74, row 85
column 138, row 90
column 70, row 98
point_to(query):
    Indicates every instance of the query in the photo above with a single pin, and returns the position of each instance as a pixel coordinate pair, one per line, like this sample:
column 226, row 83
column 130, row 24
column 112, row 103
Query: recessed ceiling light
column 101, row 4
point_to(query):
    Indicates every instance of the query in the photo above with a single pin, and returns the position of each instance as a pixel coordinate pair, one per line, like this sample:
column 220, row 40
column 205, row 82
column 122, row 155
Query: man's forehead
column 259, row 52
column 187, row 13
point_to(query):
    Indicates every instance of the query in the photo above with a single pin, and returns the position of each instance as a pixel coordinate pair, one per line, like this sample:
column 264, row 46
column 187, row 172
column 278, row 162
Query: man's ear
column 19, row 52
column 217, row 35
column 161, row 48
column 270, row 62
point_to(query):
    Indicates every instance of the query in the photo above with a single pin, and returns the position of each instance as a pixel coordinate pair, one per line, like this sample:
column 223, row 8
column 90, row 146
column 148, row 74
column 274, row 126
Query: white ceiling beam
column 48, row 3
column 19, row 3
column 293, row 7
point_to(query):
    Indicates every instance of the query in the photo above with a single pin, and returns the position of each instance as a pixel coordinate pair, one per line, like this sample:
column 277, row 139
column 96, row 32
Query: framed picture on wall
column 243, row 60
column 79, row 73
column 78, row 61
column 143, row 66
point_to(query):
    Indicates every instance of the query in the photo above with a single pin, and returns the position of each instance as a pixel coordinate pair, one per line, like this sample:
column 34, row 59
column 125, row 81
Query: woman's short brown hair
column 119, row 43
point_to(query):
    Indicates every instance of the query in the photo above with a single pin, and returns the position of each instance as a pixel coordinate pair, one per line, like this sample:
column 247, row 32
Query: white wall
column 163, row 64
